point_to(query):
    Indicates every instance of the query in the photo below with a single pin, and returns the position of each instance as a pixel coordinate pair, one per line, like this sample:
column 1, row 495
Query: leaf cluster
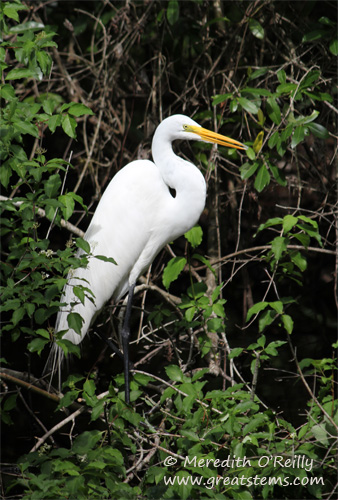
column 205, row 348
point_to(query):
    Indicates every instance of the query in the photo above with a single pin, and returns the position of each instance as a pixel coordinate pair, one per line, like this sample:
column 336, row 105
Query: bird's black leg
column 125, row 334
column 109, row 343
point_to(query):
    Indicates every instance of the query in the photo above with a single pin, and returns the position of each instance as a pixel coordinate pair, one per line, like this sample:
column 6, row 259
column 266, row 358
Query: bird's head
column 183, row 127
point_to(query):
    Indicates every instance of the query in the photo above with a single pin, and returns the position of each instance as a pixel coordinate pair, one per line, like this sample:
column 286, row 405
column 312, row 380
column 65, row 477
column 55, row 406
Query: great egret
column 145, row 206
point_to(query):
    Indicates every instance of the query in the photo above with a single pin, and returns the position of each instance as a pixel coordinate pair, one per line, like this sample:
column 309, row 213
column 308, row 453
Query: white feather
column 135, row 218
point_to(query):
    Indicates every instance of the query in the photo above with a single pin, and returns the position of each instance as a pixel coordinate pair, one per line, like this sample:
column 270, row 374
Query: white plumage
column 136, row 217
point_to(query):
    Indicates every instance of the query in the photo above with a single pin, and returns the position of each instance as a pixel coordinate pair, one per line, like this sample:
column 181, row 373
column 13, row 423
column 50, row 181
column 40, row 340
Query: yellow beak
column 209, row 136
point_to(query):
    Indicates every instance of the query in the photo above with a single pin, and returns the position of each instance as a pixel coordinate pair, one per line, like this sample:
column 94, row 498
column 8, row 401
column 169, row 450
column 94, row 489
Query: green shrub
column 225, row 315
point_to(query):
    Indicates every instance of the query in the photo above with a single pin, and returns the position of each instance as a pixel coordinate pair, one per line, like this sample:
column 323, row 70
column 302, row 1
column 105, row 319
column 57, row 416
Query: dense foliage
column 234, row 383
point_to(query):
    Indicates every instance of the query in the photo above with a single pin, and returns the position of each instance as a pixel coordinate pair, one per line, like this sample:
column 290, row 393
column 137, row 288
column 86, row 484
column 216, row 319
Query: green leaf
column 10, row 402
column 174, row 373
column 275, row 221
column 18, row 73
column 318, row 96
column 189, row 433
column 52, row 185
column 258, row 72
column 249, row 106
column 254, row 422
column 5, row 174
column 218, row 309
column 281, row 147
column 75, row 321
column 105, row 259
column 256, row 91
column 37, row 345
column 287, row 322
column 277, row 305
column 27, row 128
column 69, row 125
column 48, row 106
column 299, row 260
column 68, row 399
column 10, row 305
column 286, row 88
column 310, row 78
column 68, row 347
column 307, row 220
column 51, row 206
column 298, row 136
column 215, row 324
column 69, row 203
column 41, row 315
column 53, row 122
column 303, row 120
column 194, row 236
column 219, row 98
column 287, row 132
column 97, row 411
column 172, row 270
column 266, row 319
column 45, row 42
column 233, row 106
column 304, row 239
column 11, row 11
column 273, row 110
column 261, row 117
column 79, row 293
column 86, row 442
column 281, row 75
column 78, row 109
column 173, row 12
column 89, row 387
column 289, row 222
column 271, row 350
column 28, row 26
column 262, row 178
column 256, row 308
column 261, row 341
column 216, row 293
column 44, row 60
column 278, row 174
column 314, row 35
column 251, row 154
column 18, row 314
column 311, row 230
column 273, row 140
column 43, row 333
column 256, row 29
column 278, row 246
column 204, row 261
column 333, row 47
column 83, row 244
column 318, row 130
column 257, row 145
column 30, row 308
column 320, row 433
column 190, row 313
column 236, row 351
column 7, row 92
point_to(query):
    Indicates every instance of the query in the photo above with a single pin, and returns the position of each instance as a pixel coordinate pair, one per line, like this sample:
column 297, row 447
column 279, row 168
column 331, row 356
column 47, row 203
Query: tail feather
column 54, row 364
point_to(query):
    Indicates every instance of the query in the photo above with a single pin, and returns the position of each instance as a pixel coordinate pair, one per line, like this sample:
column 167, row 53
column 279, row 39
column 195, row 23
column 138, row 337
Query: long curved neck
column 182, row 176
column 177, row 173
column 164, row 157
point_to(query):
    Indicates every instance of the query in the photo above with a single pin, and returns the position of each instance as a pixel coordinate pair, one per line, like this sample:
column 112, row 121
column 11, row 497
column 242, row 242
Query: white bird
column 145, row 206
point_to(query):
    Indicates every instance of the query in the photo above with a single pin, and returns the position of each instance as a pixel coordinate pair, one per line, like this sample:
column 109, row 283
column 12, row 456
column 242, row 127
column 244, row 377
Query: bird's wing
column 122, row 227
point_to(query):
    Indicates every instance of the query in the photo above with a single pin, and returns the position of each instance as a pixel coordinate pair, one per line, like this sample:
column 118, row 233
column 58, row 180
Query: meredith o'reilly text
column 232, row 462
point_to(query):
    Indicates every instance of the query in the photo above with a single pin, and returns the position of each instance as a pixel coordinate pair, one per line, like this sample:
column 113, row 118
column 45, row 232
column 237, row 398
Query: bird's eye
column 185, row 127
